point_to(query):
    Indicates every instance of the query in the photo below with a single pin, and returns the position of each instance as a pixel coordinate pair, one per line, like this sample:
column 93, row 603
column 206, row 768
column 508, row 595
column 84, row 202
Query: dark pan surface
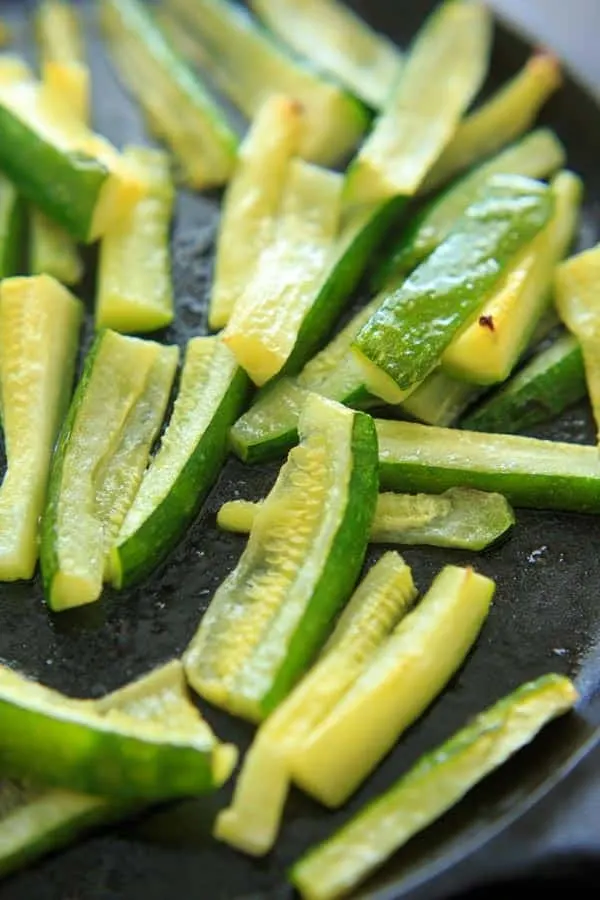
column 546, row 614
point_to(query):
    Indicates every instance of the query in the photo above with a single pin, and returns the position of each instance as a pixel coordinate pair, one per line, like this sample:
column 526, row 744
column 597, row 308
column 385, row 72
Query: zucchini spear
column 461, row 518
column 134, row 290
column 578, row 304
column 187, row 462
column 437, row 781
column 270, row 616
column 381, row 600
column 52, row 251
column 143, row 743
column 178, row 107
column 552, row 381
column 252, row 201
column 248, row 66
column 12, row 228
column 527, row 471
column 443, row 71
column 487, row 351
column 284, row 291
column 39, row 331
column 405, row 338
column 103, row 449
column 337, row 41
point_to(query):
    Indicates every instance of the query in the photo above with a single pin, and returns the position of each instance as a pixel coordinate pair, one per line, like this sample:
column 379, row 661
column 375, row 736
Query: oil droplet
column 536, row 555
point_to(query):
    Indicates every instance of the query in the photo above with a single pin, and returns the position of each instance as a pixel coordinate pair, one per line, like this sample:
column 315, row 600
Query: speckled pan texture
column 546, row 615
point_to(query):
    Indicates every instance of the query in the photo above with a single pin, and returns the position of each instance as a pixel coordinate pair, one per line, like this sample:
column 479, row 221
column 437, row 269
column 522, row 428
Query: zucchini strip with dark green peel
column 12, row 228
column 337, row 41
column 52, row 251
column 270, row 616
column 551, row 382
column 537, row 155
column 405, row 338
column 527, row 471
column 267, row 319
column 442, row 73
column 488, row 350
column 134, row 292
column 36, row 820
column 102, row 452
column 437, row 781
column 507, row 115
column 177, row 105
column 252, row 200
column 461, row 517
column 577, row 290
column 49, row 154
column 152, row 720
column 39, row 331
column 186, row 465
column 248, row 66
column 406, row 674
column 381, row 600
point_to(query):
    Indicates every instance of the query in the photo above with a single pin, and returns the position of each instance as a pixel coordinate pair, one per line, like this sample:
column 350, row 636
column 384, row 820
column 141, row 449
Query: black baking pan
column 546, row 617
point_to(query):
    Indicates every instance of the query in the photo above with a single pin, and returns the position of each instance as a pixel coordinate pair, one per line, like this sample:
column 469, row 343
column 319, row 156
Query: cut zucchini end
column 377, row 381
column 224, row 761
column 237, row 516
column 119, row 314
column 70, row 591
column 18, row 557
column 70, row 80
column 260, row 362
column 119, row 193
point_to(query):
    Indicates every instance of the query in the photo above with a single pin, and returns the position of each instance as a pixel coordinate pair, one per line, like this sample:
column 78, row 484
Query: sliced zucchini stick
column 252, row 200
column 549, row 384
column 404, row 339
column 270, row 616
column 338, row 42
column 508, row 114
column 119, row 748
column 177, row 106
column 60, row 40
column 381, row 600
column 39, row 331
column 52, row 251
column 187, row 463
column 443, row 71
column 537, row 155
column 268, row 319
column 407, row 673
column 103, row 450
column 73, row 175
column 12, row 228
column 487, row 351
column 578, row 304
column 528, row 472
column 441, row 399
column 437, row 781
column 134, row 290
column 35, row 821
column 248, row 66
column 461, row 517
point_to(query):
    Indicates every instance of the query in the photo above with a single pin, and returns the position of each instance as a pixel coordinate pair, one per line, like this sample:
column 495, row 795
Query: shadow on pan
column 545, row 618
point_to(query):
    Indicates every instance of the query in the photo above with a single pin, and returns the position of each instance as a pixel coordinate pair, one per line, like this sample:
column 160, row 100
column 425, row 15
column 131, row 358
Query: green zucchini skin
column 363, row 235
column 149, row 546
column 342, row 568
column 437, row 781
column 528, row 472
column 542, row 390
column 536, row 156
column 66, row 186
column 13, row 218
column 407, row 335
